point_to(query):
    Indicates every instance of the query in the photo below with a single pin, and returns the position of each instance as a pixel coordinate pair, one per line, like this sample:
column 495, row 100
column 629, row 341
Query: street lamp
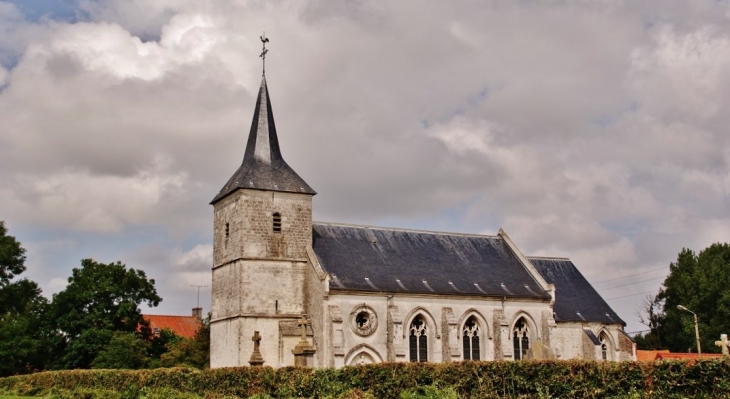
column 697, row 329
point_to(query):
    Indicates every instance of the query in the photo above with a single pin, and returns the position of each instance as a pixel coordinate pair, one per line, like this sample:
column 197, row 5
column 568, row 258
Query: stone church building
column 373, row 294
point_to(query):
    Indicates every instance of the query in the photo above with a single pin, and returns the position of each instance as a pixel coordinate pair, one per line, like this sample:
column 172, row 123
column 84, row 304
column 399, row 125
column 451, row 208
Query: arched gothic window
column 418, row 340
column 471, row 339
column 605, row 354
column 277, row 222
column 520, row 339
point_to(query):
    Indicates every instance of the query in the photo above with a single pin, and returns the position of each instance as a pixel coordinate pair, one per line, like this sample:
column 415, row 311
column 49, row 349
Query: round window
column 363, row 320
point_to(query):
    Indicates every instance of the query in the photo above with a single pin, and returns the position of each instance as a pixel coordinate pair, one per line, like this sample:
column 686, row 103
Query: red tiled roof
column 184, row 326
column 649, row 356
column 664, row 354
column 686, row 356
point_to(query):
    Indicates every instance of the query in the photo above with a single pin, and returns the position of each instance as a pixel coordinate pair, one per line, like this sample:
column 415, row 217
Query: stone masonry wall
column 258, row 274
column 444, row 339
column 315, row 301
column 571, row 342
column 249, row 217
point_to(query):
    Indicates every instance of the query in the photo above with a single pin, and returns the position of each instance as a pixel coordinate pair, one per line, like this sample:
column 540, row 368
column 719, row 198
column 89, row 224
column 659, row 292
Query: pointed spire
column 263, row 144
column 263, row 167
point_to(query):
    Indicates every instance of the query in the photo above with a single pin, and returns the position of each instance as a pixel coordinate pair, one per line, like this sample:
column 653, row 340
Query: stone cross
column 724, row 344
column 303, row 323
column 256, row 358
column 303, row 352
column 256, row 341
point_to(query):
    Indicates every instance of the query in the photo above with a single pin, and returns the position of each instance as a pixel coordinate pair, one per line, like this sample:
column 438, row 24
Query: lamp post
column 697, row 329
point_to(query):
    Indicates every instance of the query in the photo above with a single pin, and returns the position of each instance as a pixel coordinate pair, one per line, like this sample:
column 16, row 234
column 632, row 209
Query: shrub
column 529, row 379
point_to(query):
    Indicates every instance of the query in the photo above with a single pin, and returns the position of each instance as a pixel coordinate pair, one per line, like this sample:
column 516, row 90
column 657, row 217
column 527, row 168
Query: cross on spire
column 264, row 50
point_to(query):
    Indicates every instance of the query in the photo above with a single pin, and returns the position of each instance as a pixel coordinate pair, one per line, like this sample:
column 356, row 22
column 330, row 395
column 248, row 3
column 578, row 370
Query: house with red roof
column 654, row 355
column 184, row 326
column 686, row 356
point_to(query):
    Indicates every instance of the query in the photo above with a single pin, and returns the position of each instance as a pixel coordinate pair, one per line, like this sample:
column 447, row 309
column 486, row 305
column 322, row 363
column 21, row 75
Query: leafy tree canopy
column 186, row 352
column 100, row 299
column 126, row 350
column 12, row 256
column 701, row 283
column 24, row 343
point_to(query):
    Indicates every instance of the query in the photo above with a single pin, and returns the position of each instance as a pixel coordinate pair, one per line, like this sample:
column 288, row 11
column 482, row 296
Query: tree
column 126, row 350
column 12, row 256
column 187, row 352
column 700, row 283
column 161, row 342
column 24, row 343
column 649, row 316
column 100, row 299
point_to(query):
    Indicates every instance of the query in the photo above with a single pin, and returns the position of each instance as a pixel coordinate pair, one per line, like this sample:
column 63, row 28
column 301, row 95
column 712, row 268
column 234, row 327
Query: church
column 287, row 290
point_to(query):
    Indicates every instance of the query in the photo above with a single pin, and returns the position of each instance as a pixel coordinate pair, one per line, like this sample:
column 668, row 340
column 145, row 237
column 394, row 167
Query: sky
column 594, row 130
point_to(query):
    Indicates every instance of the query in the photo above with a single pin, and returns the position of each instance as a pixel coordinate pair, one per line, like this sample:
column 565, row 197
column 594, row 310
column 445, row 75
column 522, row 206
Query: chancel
column 375, row 294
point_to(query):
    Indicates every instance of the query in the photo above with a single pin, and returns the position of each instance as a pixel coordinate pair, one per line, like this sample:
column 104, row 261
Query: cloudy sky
column 595, row 130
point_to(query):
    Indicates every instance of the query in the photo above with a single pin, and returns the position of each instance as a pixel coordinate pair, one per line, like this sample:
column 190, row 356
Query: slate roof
column 592, row 336
column 263, row 167
column 575, row 297
column 377, row 259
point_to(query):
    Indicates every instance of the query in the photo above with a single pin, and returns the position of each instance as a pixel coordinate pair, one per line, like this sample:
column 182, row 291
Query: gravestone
column 256, row 358
column 303, row 352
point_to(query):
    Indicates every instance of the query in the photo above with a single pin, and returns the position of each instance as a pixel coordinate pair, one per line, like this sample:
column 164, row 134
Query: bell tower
column 262, row 224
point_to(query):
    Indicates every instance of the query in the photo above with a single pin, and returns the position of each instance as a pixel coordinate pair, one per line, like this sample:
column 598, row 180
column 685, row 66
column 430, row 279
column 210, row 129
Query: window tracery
column 470, row 339
column 520, row 339
column 604, row 346
column 418, row 340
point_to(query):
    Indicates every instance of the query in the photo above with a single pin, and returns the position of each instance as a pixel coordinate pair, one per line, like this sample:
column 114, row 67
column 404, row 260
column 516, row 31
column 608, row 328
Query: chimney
column 198, row 313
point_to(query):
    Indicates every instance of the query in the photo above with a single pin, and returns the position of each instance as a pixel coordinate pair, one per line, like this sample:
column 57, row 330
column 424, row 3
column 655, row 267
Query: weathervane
column 264, row 40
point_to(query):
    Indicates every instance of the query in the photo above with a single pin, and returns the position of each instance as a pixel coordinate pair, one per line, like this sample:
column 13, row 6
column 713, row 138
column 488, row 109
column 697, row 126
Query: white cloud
column 593, row 130
column 683, row 74
column 83, row 201
column 199, row 257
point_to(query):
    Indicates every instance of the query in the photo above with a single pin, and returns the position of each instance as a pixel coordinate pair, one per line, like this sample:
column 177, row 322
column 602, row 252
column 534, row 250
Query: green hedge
column 528, row 379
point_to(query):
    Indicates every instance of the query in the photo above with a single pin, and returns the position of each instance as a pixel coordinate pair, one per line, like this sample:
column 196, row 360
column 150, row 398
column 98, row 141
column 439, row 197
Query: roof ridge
column 548, row 257
column 167, row 315
column 364, row 226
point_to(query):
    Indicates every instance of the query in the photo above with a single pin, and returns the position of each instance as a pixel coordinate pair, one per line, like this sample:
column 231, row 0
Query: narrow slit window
column 228, row 230
column 277, row 222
